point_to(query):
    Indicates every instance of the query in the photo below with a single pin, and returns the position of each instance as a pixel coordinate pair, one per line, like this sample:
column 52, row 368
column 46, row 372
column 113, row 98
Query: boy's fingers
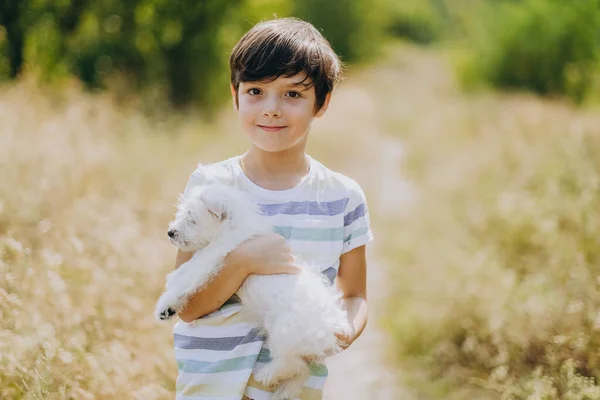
column 292, row 269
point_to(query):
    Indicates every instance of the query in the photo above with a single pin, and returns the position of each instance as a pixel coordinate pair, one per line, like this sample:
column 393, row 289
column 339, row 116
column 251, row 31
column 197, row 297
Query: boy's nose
column 271, row 109
column 271, row 113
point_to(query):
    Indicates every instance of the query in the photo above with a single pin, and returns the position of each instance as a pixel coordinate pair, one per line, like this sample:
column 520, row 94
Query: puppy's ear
column 215, row 207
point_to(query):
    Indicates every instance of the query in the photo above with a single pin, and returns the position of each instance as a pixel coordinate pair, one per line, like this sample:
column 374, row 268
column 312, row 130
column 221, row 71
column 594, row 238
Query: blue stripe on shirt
column 354, row 215
column 329, row 208
column 216, row 343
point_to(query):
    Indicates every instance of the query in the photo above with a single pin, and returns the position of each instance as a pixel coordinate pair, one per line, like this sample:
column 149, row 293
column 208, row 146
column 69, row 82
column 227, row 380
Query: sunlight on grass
column 496, row 268
column 87, row 190
column 493, row 286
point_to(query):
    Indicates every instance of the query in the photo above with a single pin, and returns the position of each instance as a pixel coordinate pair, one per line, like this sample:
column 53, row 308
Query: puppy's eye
column 190, row 218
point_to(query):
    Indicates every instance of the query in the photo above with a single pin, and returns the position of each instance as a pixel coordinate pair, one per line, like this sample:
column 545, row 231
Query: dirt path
column 360, row 372
column 351, row 140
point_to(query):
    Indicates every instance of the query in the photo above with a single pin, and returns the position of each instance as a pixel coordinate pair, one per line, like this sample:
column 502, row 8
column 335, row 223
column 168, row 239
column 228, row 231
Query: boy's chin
column 273, row 149
column 276, row 147
column 271, row 143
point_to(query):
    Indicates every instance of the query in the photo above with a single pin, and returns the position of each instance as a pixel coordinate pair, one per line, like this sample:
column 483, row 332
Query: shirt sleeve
column 357, row 226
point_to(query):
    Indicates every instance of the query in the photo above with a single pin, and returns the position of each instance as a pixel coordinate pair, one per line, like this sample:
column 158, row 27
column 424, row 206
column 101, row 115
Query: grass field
column 495, row 293
column 493, row 286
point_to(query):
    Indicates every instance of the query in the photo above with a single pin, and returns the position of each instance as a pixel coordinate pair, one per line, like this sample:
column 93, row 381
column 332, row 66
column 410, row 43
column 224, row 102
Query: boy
column 282, row 75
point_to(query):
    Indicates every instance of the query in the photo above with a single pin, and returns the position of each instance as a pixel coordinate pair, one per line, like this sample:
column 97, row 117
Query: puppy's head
column 198, row 220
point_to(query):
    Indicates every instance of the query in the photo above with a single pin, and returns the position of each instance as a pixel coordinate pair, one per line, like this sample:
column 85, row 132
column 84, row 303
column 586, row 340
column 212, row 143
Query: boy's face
column 277, row 115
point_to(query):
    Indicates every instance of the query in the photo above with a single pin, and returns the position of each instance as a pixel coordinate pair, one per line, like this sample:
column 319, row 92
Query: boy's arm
column 262, row 255
column 352, row 281
column 217, row 291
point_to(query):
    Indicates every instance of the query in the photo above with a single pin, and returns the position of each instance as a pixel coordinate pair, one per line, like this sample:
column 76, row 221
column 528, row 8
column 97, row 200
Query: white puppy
column 300, row 313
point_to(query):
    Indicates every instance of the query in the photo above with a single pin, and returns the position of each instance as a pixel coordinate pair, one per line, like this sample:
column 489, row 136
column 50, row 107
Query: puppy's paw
column 166, row 314
column 288, row 390
column 165, row 307
column 268, row 375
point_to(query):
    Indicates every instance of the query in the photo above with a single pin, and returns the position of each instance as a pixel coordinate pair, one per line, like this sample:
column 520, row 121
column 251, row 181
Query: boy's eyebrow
column 303, row 87
column 301, row 83
column 305, row 83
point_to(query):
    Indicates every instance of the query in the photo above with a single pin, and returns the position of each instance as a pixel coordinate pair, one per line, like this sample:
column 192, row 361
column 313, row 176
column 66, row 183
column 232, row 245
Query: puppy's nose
column 171, row 233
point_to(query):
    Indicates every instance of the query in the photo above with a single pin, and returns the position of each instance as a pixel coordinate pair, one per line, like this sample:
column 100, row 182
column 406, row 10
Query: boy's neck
column 275, row 171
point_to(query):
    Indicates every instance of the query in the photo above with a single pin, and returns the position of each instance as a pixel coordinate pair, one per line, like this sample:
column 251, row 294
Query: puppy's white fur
column 300, row 313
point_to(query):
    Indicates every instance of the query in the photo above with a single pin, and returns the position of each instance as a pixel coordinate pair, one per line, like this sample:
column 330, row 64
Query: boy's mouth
column 268, row 128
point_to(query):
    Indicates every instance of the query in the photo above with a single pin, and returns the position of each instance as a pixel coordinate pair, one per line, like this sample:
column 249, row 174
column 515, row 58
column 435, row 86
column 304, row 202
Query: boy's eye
column 293, row 95
column 254, row 91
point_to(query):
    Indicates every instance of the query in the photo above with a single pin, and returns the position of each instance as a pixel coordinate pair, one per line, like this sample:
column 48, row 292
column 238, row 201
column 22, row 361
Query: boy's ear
column 234, row 98
column 322, row 110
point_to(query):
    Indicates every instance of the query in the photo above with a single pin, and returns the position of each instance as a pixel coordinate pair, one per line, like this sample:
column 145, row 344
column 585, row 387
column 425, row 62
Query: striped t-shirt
column 322, row 217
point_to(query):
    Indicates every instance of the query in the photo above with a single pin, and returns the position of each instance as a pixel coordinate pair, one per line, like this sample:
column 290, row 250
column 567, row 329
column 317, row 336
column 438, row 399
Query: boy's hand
column 264, row 255
column 345, row 341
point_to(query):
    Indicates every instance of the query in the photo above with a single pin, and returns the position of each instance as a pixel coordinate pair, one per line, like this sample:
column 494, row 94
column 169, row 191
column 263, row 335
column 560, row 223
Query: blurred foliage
column 176, row 49
column 419, row 21
column 547, row 46
column 550, row 47
column 179, row 49
column 354, row 28
column 172, row 44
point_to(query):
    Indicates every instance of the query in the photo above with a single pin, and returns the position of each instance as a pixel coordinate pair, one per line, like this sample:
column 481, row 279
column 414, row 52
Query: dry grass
column 496, row 284
column 86, row 191
column 495, row 268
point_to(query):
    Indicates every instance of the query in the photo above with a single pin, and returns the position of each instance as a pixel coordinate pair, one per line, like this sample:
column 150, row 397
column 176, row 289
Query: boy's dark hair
column 285, row 47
